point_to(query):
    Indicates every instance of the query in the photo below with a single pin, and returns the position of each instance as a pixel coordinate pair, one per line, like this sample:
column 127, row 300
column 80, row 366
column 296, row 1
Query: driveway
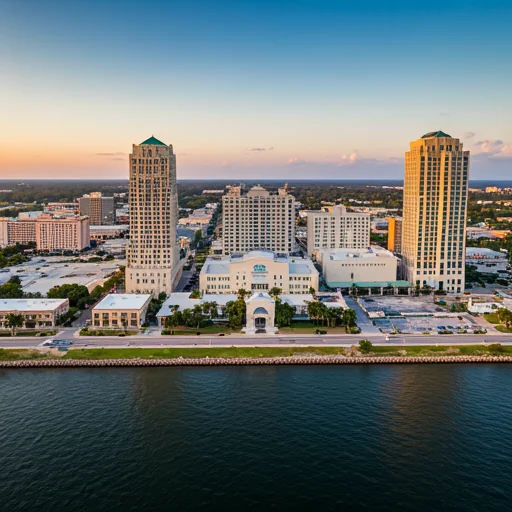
column 363, row 322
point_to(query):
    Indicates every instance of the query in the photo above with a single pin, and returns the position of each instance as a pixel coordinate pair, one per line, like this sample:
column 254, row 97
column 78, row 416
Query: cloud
column 493, row 149
column 349, row 159
column 296, row 161
column 468, row 135
column 261, row 149
column 118, row 158
column 444, row 114
column 110, row 154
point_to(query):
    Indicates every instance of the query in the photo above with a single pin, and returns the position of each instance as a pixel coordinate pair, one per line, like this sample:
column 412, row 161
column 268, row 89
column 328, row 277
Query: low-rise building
column 109, row 232
column 486, row 260
column 373, row 267
column 258, row 270
column 119, row 311
column 36, row 312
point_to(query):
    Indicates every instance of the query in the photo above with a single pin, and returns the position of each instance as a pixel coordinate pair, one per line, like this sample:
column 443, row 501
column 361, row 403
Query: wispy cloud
column 468, row 135
column 110, row 154
column 261, row 149
column 296, row 161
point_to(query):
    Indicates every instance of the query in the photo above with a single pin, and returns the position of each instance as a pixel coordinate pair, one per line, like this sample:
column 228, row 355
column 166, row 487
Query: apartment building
column 21, row 231
column 337, row 229
column 434, row 213
column 258, row 270
column 62, row 233
column 258, row 220
column 99, row 209
column 152, row 252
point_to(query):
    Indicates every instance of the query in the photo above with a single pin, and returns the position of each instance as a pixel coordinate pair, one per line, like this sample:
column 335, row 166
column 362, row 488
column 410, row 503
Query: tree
column 349, row 317
column 175, row 318
column 284, row 314
column 14, row 320
column 365, row 346
column 196, row 294
column 312, row 291
column 242, row 293
column 77, row 294
column 275, row 292
column 210, row 309
column 505, row 316
column 11, row 291
column 236, row 311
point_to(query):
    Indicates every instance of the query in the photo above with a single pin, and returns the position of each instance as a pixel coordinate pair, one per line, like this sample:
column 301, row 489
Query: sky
column 246, row 89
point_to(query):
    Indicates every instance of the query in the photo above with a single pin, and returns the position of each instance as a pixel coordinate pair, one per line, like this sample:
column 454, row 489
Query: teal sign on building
column 260, row 268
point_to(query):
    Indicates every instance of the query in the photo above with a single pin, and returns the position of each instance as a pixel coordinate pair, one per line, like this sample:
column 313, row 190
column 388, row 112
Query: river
column 418, row 437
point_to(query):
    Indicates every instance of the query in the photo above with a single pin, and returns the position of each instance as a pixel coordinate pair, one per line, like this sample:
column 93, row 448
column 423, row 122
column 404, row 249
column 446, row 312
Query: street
column 256, row 340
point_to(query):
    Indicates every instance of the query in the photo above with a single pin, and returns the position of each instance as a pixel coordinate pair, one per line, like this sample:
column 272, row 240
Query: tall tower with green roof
column 152, row 252
column 434, row 214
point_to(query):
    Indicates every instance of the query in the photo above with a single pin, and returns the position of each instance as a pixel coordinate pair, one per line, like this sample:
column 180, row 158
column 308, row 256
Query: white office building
column 258, row 220
column 337, row 229
column 258, row 270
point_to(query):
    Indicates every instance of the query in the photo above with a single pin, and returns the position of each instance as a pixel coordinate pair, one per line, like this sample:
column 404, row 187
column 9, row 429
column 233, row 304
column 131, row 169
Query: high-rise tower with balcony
column 152, row 252
column 434, row 213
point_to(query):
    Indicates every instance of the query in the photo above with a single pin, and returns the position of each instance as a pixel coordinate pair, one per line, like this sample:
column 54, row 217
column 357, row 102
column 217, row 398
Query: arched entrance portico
column 260, row 314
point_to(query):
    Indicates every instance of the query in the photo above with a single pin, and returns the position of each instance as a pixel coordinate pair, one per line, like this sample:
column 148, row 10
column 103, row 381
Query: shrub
column 495, row 348
column 365, row 346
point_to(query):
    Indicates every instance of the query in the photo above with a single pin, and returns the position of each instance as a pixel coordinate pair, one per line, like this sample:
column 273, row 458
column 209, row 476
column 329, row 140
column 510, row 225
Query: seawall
column 250, row 361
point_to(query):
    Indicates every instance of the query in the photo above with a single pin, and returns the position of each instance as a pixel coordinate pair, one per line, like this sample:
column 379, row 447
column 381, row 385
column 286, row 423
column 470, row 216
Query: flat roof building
column 118, row 311
column 258, row 270
column 343, row 268
column 36, row 312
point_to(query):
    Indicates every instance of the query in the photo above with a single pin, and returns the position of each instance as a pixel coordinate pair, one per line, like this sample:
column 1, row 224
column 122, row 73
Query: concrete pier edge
column 250, row 361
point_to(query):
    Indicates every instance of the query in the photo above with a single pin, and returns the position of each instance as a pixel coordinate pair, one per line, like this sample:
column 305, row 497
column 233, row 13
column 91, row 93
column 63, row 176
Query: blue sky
column 246, row 89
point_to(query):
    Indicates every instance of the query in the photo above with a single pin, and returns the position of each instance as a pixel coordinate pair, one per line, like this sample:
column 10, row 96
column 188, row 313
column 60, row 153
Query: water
column 257, row 438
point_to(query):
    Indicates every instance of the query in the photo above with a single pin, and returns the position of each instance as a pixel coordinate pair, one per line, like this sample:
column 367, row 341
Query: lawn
column 503, row 328
column 150, row 353
column 199, row 352
column 20, row 354
column 310, row 328
column 21, row 334
column 492, row 318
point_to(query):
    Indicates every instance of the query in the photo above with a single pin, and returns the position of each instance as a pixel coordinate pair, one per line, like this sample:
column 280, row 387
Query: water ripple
column 381, row 438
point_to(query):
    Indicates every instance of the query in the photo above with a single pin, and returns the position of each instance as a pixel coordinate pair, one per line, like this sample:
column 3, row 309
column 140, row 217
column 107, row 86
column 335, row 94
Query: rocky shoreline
column 250, row 361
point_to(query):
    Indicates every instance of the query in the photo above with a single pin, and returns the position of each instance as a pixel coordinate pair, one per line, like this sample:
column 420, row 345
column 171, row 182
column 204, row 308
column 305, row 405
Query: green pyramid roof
column 152, row 141
column 435, row 134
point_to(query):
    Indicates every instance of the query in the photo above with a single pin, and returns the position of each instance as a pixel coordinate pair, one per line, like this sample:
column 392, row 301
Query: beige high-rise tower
column 434, row 216
column 152, row 252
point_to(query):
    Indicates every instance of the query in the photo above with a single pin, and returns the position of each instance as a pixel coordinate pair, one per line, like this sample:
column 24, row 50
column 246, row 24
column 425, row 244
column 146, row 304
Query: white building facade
column 342, row 266
column 337, row 229
column 258, row 270
column 258, row 220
